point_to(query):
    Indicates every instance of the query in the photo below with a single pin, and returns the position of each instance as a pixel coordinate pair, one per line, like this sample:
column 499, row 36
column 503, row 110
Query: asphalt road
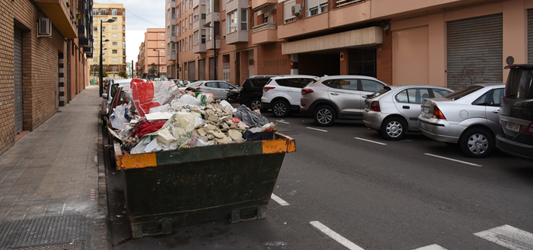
column 346, row 187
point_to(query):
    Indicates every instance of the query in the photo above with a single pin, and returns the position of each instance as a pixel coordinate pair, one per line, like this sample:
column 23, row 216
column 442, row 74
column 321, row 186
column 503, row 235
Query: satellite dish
column 509, row 60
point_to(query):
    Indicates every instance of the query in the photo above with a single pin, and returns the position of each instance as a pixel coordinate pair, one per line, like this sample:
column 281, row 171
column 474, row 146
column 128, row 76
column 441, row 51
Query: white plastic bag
column 118, row 119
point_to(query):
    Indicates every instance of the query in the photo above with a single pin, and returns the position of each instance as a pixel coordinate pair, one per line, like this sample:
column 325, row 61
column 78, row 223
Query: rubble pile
column 185, row 120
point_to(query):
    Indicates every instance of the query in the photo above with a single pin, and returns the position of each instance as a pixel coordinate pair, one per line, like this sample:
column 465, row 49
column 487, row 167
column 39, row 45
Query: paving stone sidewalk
column 51, row 192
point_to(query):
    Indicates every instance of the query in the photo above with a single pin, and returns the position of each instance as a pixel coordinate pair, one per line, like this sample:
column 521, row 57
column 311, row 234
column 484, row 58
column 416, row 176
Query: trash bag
column 120, row 117
column 258, row 136
column 249, row 117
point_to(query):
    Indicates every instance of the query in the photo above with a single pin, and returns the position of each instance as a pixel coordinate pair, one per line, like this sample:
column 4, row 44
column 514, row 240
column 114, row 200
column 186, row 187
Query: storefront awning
column 353, row 38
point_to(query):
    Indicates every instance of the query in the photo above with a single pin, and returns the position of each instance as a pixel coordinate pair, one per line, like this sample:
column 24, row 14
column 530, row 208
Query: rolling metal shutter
column 192, row 71
column 201, row 69
column 529, row 36
column 475, row 51
column 19, row 108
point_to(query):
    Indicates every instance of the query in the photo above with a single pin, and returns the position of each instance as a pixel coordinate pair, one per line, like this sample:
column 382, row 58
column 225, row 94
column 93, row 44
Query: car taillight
column 374, row 106
column 529, row 129
column 265, row 89
column 307, row 91
column 198, row 88
column 437, row 113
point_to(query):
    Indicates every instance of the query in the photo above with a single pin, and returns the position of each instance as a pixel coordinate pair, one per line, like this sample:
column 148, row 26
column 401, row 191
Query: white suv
column 282, row 94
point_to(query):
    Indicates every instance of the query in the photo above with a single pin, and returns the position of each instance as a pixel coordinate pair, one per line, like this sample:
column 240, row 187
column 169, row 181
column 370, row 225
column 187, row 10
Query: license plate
column 512, row 126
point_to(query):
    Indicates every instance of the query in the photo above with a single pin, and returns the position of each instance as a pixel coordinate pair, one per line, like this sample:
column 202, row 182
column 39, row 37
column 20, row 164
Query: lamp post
column 101, row 77
column 214, row 48
column 157, row 62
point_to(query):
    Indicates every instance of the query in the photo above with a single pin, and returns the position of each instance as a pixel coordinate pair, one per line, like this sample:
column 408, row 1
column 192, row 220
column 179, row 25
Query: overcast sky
column 140, row 15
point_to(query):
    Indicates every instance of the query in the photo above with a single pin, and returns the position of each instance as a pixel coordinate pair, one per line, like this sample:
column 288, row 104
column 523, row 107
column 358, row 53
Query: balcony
column 264, row 33
column 198, row 24
column 199, row 48
column 172, row 38
column 239, row 36
column 212, row 17
column 82, row 31
column 261, row 3
column 59, row 14
column 209, row 44
column 173, row 21
column 172, row 55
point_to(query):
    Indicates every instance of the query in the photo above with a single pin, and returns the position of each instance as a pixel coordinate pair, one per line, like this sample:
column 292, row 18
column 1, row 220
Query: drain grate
column 62, row 246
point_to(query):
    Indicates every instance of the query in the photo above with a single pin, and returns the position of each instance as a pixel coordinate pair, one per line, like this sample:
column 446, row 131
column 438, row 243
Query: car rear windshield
column 520, row 84
column 378, row 93
column 463, row 92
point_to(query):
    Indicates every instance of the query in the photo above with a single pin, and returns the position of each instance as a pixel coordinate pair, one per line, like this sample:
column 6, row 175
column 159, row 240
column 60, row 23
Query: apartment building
column 450, row 43
column 109, row 22
column 45, row 46
column 152, row 58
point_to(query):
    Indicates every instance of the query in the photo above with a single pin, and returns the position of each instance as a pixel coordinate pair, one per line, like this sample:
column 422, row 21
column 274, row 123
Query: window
column 195, row 37
column 203, row 36
column 103, row 28
column 115, row 44
column 315, row 7
column 114, row 12
column 95, row 12
column 163, row 68
column 102, row 19
column 115, row 35
column 95, row 59
column 346, row 84
column 438, row 93
column 491, row 98
column 190, row 42
column 295, row 82
column 115, row 68
column 196, row 13
column 190, row 21
column 163, row 59
column 114, row 27
column 414, row 95
column 162, row 35
column 115, row 59
column 115, row 51
column 287, row 13
column 162, row 52
column 371, row 86
column 244, row 19
column 102, row 12
column 114, row 18
column 103, row 35
column 211, row 84
column 232, row 22
column 95, row 35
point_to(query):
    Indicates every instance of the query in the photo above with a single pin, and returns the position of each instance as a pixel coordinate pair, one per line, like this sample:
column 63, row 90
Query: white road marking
column 321, row 130
column 279, row 200
column 362, row 139
column 431, row 247
column 509, row 237
column 450, row 159
column 337, row 237
column 283, row 121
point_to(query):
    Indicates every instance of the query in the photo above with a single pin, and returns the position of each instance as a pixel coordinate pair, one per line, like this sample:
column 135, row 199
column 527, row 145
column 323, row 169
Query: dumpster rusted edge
column 284, row 144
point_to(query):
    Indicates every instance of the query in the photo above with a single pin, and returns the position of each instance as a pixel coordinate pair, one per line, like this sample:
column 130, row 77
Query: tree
column 152, row 69
column 123, row 74
column 104, row 73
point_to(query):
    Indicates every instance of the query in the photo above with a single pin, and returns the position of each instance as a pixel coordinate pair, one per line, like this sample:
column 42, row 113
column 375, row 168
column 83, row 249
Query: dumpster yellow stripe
column 279, row 146
column 136, row 161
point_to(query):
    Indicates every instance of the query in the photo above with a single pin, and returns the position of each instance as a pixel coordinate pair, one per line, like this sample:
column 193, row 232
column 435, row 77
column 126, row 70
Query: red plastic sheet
column 143, row 95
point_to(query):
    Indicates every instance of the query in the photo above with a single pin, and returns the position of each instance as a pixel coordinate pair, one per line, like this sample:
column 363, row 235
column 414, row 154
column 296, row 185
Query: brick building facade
column 33, row 70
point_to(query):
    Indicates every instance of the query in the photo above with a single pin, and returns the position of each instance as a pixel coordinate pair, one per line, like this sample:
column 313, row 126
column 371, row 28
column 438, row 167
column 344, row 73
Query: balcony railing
column 264, row 26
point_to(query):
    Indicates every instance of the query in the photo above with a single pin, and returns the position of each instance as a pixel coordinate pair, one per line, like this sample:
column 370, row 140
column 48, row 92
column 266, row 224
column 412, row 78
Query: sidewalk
column 51, row 192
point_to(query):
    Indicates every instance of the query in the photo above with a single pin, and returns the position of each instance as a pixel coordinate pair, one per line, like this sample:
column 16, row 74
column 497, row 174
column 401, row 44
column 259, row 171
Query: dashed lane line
column 335, row 236
column 455, row 160
column 376, row 142
column 509, row 237
column 321, row 130
column 279, row 200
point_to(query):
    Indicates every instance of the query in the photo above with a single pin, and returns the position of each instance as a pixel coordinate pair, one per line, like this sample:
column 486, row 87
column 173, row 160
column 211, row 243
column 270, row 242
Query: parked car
column 468, row 117
column 394, row 110
column 338, row 97
column 282, row 94
column 218, row 88
column 114, row 85
column 516, row 113
column 252, row 90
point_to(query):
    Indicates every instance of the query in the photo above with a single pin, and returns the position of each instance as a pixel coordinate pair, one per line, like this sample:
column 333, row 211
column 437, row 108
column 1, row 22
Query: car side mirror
column 104, row 95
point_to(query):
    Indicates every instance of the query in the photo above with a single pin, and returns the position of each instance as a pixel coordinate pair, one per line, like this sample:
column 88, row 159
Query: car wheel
column 255, row 104
column 324, row 116
column 280, row 108
column 477, row 142
column 393, row 128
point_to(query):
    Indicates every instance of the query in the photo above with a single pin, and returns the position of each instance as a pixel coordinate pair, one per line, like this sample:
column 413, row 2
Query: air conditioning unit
column 296, row 10
column 44, row 28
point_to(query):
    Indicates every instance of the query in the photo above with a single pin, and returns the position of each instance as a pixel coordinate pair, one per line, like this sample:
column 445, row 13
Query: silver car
column 468, row 117
column 338, row 97
column 219, row 89
column 394, row 110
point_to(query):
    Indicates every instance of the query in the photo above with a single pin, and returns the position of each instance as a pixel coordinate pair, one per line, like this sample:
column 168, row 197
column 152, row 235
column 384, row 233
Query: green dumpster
column 178, row 188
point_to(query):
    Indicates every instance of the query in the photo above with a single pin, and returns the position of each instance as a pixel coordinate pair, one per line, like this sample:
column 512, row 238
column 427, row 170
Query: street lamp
column 214, row 48
column 177, row 59
column 157, row 62
column 101, row 78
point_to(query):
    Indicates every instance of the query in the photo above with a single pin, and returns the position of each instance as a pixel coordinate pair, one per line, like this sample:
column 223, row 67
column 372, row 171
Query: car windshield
column 380, row 92
column 520, row 84
column 463, row 92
